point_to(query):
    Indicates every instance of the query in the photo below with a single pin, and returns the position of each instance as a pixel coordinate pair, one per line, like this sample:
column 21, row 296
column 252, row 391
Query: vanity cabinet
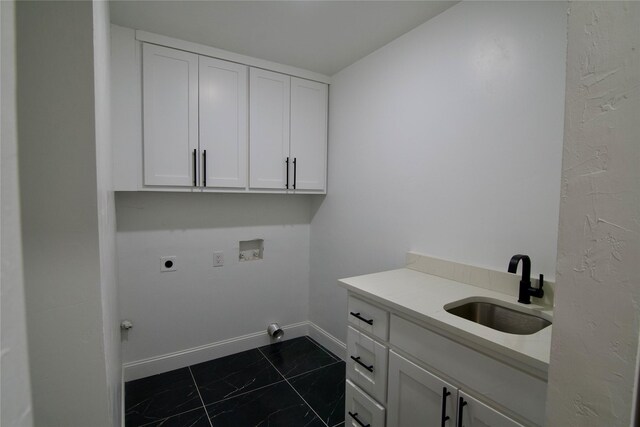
column 420, row 377
column 288, row 132
column 367, row 364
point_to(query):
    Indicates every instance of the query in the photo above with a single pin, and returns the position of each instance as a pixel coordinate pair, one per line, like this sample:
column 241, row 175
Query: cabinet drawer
column 369, row 318
column 360, row 409
column 367, row 364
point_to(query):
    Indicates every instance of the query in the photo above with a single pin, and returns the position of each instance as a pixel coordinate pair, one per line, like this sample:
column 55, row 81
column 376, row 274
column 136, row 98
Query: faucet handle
column 539, row 293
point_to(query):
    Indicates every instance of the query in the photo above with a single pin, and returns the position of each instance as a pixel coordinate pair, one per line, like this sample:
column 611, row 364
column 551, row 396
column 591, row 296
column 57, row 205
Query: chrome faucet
column 526, row 291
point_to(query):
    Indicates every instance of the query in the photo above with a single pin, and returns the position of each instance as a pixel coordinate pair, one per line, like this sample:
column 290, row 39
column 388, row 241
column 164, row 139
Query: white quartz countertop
column 423, row 297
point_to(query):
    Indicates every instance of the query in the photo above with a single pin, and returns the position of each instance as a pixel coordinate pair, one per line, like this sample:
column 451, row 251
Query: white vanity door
column 477, row 414
column 416, row 396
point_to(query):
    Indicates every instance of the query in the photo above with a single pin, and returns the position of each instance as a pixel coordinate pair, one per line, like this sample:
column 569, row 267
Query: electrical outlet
column 218, row 259
column 167, row 263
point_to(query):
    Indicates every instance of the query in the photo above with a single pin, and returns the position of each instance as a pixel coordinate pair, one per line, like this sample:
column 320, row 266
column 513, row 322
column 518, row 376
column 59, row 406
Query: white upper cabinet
column 269, row 135
column 188, row 117
column 223, row 123
column 170, row 116
column 288, row 132
column 309, row 133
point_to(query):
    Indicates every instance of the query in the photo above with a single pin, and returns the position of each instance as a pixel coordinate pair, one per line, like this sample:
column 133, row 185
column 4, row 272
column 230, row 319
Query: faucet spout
column 526, row 266
column 526, row 291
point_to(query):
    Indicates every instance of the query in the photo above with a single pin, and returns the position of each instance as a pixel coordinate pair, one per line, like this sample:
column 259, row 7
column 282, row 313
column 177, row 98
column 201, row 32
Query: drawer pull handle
column 357, row 360
column 357, row 315
column 355, row 417
column 461, row 405
column 445, row 417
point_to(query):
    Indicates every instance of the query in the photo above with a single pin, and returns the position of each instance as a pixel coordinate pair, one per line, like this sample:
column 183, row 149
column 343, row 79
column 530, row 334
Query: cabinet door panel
column 477, row 414
column 415, row 396
column 170, row 105
column 269, row 129
column 223, row 122
column 309, row 133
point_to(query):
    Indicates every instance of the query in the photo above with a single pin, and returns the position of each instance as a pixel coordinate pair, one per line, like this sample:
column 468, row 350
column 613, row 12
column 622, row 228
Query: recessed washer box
column 251, row 250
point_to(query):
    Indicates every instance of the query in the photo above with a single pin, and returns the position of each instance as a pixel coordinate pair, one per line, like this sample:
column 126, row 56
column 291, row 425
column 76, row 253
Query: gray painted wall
column 447, row 141
column 65, row 213
column 15, row 385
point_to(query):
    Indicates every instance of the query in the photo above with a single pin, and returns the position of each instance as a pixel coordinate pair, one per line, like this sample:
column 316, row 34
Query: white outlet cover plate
column 168, row 263
column 218, row 259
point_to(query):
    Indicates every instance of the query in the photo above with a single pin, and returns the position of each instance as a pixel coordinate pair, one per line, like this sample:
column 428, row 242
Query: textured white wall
column 15, row 384
column 447, row 141
column 62, row 218
column 106, row 207
column 199, row 304
column 595, row 330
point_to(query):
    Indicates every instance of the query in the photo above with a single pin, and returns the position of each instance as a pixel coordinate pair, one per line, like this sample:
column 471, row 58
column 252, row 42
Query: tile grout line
column 315, row 369
column 282, row 379
column 246, row 392
column 200, row 396
column 322, row 348
column 294, row 389
column 165, row 418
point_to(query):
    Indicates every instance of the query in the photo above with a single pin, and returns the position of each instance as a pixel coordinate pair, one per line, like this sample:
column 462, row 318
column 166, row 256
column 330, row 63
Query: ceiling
column 321, row 36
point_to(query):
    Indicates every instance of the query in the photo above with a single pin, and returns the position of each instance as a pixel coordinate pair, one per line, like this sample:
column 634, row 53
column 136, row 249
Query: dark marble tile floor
column 294, row 383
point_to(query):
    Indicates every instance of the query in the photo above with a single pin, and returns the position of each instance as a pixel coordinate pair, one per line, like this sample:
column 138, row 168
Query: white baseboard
column 180, row 359
column 328, row 341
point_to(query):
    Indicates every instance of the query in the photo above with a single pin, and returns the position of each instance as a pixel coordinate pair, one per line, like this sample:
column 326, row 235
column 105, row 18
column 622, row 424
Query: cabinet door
column 309, row 133
column 269, row 129
column 223, row 123
column 416, row 397
column 476, row 414
column 170, row 116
